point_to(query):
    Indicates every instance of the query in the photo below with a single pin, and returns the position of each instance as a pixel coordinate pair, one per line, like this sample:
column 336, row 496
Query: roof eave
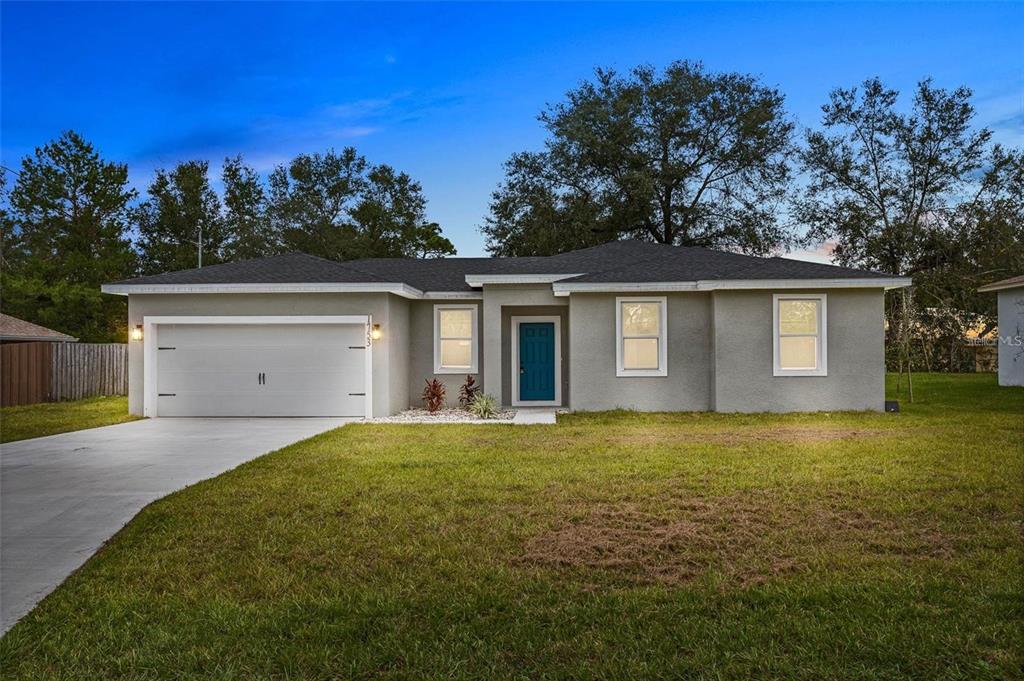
column 567, row 288
column 1000, row 286
column 478, row 280
column 398, row 289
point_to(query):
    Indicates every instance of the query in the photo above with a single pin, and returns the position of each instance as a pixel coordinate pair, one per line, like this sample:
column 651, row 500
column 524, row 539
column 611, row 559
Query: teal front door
column 537, row 361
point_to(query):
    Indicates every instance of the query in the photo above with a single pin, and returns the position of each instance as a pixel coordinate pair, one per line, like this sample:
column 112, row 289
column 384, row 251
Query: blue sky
column 445, row 92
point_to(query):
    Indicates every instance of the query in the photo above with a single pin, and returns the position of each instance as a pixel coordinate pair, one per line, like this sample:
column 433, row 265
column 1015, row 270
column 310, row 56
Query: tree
column 180, row 225
column 65, row 234
column 920, row 194
column 247, row 224
column 685, row 157
column 882, row 182
column 337, row 206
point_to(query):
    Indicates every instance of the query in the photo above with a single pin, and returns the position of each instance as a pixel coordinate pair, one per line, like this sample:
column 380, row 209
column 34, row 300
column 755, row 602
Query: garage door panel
column 307, row 370
column 234, row 335
column 300, row 404
column 241, row 358
column 242, row 381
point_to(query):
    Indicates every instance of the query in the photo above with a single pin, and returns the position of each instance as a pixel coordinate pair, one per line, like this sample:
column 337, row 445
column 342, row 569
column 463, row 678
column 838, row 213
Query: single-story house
column 1010, row 308
column 14, row 330
column 627, row 324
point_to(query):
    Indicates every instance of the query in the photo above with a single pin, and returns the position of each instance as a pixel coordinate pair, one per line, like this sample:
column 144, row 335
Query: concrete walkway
column 527, row 416
column 63, row 496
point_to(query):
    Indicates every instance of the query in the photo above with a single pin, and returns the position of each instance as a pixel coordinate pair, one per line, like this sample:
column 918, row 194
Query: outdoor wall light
column 375, row 334
column 136, row 334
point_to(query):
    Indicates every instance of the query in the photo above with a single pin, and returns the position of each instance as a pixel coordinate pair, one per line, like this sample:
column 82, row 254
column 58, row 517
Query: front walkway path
column 63, row 496
column 534, row 415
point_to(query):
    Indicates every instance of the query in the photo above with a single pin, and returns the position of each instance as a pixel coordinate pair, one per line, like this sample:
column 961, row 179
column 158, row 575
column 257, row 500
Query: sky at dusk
column 445, row 92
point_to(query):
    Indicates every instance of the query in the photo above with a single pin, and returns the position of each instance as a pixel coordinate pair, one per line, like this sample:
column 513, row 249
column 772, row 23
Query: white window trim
column 822, row 369
column 516, row 321
column 662, row 369
column 474, row 341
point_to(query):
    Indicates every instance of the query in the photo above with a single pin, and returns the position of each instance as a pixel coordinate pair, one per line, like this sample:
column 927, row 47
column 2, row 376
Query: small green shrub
column 484, row 407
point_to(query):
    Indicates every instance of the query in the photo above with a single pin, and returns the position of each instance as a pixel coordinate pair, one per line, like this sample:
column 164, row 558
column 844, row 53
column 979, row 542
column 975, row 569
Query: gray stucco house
column 1010, row 308
column 626, row 324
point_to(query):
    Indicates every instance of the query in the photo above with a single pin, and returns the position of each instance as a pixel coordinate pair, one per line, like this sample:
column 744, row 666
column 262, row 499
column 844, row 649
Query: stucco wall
column 1011, row 335
column 390, row 373
column 496, row 297
column 744, row 362
column 592, row 338
column 421, row 352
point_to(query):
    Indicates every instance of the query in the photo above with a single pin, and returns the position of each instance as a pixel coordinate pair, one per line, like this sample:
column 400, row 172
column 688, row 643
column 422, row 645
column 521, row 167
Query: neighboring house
column 1011, row 328
column 14, row 330
column 626, row 324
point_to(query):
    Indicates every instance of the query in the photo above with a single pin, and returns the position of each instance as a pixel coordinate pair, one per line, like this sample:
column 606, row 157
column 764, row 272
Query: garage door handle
column 357, row 394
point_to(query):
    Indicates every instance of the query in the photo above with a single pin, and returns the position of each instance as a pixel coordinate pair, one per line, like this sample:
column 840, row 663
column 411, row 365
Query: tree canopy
column 336, row 205
column 66, row 231
column 684, row 156
column 181, row 221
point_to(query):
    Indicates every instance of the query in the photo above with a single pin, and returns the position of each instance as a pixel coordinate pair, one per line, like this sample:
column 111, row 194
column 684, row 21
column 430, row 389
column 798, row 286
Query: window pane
column 640, row 353
column 456, row 323
column 798, row 352
column 798, row 316
column 456, row 354
column 641, row 319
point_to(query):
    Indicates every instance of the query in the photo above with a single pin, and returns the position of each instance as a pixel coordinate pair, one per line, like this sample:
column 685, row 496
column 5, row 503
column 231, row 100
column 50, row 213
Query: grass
column 37, row 420
column 614, row 545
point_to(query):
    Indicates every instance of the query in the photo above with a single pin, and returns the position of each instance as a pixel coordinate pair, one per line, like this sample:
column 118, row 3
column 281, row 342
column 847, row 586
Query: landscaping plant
column 484, row 406
column 433, row 395
column 468, row 392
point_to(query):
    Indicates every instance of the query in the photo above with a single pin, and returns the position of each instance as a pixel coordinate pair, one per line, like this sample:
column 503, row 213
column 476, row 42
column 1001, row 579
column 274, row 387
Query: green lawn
column 616, row 545
column 37, row 420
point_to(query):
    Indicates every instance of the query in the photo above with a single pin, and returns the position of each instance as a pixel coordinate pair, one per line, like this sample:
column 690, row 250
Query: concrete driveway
column 63, row 496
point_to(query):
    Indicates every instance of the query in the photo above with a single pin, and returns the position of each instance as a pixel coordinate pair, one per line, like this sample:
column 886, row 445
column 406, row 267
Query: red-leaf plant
column 433, row 395
column 468, row 392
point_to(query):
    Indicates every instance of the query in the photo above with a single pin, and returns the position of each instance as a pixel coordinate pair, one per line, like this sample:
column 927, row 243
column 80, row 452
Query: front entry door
column 536, row 361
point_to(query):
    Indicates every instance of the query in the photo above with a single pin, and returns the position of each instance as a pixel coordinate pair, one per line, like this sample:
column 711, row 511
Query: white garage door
column 261, row 370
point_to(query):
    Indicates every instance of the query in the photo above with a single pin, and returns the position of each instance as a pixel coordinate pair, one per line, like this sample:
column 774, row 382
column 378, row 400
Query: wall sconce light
column 375, row 334
column 136, row 334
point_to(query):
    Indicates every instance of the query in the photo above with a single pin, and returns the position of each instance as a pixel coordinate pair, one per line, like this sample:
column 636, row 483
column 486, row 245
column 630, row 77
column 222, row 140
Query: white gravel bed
column 443, row 416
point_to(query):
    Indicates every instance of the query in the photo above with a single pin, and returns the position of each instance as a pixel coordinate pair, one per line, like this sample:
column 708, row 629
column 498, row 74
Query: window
column 799, row 340
column 455, row 347
column 641, row 335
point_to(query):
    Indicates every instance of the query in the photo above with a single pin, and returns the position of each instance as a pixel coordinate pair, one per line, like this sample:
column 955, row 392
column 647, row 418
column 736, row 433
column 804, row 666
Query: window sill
column 800, row 372
column 629, row 373
column 450, row 370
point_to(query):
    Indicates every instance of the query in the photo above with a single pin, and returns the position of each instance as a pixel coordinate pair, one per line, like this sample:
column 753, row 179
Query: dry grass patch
column 784, row 434
column 743, row 539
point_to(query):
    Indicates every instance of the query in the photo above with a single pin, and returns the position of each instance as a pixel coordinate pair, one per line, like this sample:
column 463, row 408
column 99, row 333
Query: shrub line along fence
column 53, row 372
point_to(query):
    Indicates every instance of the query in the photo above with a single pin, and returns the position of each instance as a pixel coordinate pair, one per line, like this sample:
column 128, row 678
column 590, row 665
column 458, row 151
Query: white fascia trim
column 990, row 288
column 398, row 289
column 453, row 295
column 478, row 280
column 726, row 284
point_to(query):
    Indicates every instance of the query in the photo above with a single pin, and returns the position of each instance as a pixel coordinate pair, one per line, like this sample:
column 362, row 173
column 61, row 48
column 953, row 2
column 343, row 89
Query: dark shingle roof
column 291, row 268
column 680, row 263
column 615, row 262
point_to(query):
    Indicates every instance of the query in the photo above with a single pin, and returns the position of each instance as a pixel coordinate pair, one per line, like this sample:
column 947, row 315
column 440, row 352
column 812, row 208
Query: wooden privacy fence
column 52, row 372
